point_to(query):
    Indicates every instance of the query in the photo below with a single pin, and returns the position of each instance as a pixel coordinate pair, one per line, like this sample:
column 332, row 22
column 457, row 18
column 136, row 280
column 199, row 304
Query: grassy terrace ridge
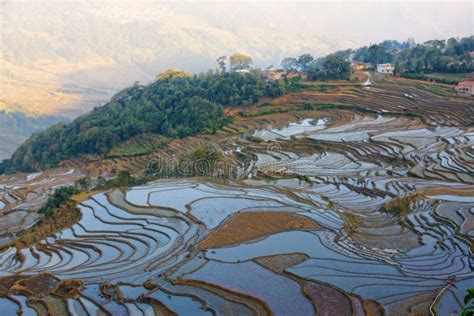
column 448, row 78
column 141, row 120
column 385, row 97
column 367, row 203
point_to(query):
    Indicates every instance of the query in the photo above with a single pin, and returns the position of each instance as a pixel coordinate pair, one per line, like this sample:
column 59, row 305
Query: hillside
column 310, row 194
column 173, row 106
column 69, row 57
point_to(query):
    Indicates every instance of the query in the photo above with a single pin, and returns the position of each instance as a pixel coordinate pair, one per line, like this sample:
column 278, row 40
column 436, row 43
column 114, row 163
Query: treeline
column 331, row 67
column 59, row 197
column 448, row 56
column 173, row 106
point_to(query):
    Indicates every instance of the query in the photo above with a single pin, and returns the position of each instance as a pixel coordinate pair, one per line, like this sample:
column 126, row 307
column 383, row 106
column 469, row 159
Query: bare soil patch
column 246, row 226
column 62, row 217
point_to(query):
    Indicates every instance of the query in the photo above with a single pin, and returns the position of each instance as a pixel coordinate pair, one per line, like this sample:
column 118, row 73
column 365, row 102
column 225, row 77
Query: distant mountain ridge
column 67, row 58
column 70, row 57
column 16, row 127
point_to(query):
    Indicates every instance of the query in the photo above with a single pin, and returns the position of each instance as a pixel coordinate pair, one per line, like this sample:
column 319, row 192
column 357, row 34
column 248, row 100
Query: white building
column 466, row 87
column 243, row 71
column 385, row 69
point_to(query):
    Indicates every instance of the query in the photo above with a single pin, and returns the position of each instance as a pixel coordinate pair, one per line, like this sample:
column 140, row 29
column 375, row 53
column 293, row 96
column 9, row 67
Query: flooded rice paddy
column 374, row 216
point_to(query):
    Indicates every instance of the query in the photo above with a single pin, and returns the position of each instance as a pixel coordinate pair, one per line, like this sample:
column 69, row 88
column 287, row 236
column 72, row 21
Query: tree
column 468, row 309
column 61, row 195
column 124, row 178
column 172, row 73
column 378, row 54
column 222, row 63
column 240, row 61
column 304, row 61
column 418, row 65
column 336, row 67
column 100, row 183
column 432, row 57
column 83, row 184
column 289, row 63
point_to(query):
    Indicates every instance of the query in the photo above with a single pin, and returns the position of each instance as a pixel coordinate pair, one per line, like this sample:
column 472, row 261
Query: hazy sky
column 266, row 29
column 58, row 54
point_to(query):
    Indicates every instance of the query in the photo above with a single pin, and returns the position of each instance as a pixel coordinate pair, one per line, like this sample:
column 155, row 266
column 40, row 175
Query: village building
column 273, row 74
column 296, row 74
column 243, row 71
column 466, row 87
column 385, row 69
column 358, row 66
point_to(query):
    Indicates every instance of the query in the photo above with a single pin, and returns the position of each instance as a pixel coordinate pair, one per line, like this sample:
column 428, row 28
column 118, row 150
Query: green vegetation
column 331, row 67
column 334, row 67
column 307, row 106
column 400, row 206
column 64, row 195
column 175, row 106
column 319, row 87
column 124, row 179
column 448, row 78
column 203, row 161
column 431, row 60
column 137, row 146
column 440, row 56
column 265, row 105
column 468, row 309
column 240, row 62
column 60, row 196
column 396, row 210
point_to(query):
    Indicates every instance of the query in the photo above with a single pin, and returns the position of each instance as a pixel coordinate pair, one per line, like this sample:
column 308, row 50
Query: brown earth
column 63, row 217
column 418, row 305
column 463, row 191
column 400, row 206
column 37, row 285
column 40, row 285
column 281, row 262
column 328, row 300
column 260, row 307
column 246, row 226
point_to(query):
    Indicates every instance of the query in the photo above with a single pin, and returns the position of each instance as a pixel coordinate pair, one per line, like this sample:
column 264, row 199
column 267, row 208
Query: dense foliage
column 334, row 68
column 331, row 67
column 444, row 56
column 172, row 106
column 451, row 56
column 60, row 196
column 468, row 309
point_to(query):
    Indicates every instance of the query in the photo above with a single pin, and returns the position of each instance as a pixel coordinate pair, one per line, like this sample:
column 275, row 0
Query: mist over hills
column 63, row 59
column 70, row 57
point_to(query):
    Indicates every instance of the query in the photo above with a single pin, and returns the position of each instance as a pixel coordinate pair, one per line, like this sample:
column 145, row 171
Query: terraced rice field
column 371, row 215
column 22, row 195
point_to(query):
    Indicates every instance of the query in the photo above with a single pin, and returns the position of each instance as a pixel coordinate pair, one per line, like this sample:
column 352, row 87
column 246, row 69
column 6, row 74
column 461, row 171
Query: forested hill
column 175, row 105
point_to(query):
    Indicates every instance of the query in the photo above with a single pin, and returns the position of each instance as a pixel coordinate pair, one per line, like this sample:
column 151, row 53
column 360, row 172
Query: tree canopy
column 173, row 106
column 240, row 61
column 450, row 56
column 335, row 67
column 173, row 74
